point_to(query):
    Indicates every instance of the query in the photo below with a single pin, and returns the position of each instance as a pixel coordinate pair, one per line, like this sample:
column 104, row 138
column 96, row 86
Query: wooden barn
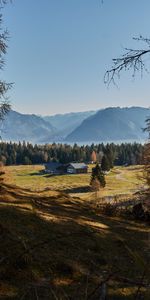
column 77, row 168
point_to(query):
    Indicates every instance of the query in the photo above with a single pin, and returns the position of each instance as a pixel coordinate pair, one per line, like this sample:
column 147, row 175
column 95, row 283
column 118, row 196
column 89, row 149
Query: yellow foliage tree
column 93, row 156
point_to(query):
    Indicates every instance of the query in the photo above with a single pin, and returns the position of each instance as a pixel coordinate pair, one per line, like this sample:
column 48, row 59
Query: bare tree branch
column 4, row 87
column 132, row 59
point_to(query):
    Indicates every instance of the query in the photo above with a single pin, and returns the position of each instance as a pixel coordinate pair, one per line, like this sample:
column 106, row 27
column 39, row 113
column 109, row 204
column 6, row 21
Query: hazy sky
column 59, row 51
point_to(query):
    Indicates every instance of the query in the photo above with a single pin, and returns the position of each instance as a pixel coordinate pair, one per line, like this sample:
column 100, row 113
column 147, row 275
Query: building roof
column 78, row 166
column 52, row 165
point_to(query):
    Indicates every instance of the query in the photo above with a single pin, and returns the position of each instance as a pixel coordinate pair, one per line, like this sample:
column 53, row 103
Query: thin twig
column 140, row 285
column 36, row 293
column 131, row 59
column 100, row 285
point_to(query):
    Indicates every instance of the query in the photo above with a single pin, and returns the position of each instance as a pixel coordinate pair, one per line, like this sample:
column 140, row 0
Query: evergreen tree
column 95, row 185
column 147, row 163
column 1, row 172
column 109, row 151
column 105, row 164
column 99, row 175
column 147, row 155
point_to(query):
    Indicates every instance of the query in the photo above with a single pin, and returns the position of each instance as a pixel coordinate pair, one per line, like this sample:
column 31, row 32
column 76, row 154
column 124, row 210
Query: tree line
column 108, row 155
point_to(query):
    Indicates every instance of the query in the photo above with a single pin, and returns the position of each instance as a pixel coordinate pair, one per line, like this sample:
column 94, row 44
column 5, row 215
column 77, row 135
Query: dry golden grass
column 54, row 246
column 120, row 180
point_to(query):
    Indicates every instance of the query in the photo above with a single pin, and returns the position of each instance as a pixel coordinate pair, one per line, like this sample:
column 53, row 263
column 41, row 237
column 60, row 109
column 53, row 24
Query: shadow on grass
column 37, row 173
column 59, row 245
column 82, row 189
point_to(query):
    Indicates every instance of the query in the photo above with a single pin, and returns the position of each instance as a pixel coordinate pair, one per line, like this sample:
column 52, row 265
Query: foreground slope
column 57, row 247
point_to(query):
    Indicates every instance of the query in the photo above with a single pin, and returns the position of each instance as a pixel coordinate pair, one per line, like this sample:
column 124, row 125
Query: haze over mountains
column 110, row 124
column 25, row 127
column 66, row 123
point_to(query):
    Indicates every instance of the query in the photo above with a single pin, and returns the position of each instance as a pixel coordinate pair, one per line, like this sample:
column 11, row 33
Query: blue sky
column 59, row 51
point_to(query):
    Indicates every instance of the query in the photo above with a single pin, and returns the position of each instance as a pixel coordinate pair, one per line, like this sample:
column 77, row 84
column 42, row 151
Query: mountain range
column 110, row 124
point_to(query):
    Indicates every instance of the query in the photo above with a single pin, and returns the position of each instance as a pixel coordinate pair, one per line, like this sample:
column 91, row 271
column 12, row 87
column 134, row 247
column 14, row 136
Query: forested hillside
column 26, row 153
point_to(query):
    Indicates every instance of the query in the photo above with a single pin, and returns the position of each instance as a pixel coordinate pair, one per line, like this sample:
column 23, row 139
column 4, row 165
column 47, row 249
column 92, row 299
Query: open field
column 54, row 246
column 120, row 180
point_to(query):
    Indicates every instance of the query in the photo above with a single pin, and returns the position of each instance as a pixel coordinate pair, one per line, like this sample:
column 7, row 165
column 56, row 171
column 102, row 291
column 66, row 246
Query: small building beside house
column 54, row 168
column 77, row 168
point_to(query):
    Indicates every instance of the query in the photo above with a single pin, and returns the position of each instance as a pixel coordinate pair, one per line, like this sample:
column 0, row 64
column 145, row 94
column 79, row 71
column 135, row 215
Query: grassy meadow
column 119, row 181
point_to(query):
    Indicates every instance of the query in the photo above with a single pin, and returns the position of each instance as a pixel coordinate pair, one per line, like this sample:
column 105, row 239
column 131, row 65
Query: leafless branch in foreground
column 4, row 87
column 132, row 59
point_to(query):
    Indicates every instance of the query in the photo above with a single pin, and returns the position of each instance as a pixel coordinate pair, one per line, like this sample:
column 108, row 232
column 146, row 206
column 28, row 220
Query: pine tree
column 147, row 163
column 1, row 172
column 110, row 153
column 99, row 175
column 147, row 155
column 95, row 185
column 105, row 164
